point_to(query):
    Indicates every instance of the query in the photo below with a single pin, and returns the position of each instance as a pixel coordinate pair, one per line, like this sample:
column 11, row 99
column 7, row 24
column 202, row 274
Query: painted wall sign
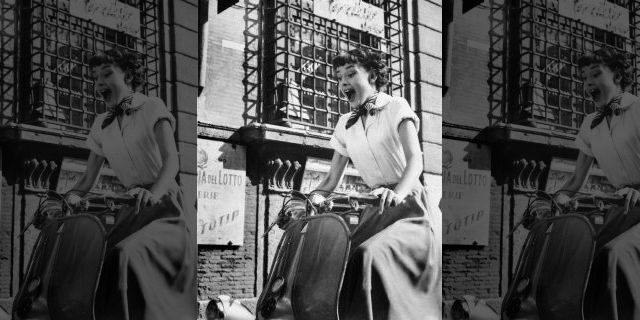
column 561, row 170
column 353, row 13
column 466, row 184
column 598, row 13
column 316, row 169
column 72, row 170
column 109, row 13
column 221, row 192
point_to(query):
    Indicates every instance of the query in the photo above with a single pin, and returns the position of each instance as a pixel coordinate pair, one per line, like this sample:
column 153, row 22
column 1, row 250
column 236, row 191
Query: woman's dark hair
column 370, row 60
column 128, row 61
column 618, row 62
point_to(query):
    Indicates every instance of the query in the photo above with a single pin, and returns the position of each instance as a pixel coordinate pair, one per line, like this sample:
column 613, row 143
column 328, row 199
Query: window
column 62, row 93
column 550, row 92
column 8, row 64
column 300, row 90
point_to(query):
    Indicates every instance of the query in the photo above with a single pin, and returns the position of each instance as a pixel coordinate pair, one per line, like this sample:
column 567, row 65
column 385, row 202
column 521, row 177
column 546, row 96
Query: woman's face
column 600, row 82
column 356, row 82
column 110, row 82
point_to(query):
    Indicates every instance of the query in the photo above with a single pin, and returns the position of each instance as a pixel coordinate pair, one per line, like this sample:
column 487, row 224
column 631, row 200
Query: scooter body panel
column 63, row 271
column 307, row 272
column 552, row 272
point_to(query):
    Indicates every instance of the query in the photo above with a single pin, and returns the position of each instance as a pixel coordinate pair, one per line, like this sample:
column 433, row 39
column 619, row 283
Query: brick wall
column 469, row 92
column 476, row 270
column 231, row 270
column 229, row 97
column 6, row 215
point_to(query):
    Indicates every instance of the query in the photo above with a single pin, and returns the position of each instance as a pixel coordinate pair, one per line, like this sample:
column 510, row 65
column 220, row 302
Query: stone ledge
column 27, row 132
column 263, row 132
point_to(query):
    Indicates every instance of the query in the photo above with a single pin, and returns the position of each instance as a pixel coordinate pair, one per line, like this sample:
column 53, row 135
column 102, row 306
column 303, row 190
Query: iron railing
column 550, row 89
column 300, row 88
column 8, row 65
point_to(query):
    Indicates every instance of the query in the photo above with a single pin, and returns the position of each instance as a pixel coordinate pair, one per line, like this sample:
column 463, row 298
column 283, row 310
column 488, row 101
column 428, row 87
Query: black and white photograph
column 540, row 161
column 319, row 160
column 98, row 149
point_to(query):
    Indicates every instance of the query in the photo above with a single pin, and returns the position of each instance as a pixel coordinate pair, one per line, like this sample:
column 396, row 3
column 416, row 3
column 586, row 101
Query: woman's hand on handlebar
column 316, row 199
column 632, row 196
column 562, row 199
column 144, row 198
column 73, row 199
column 388, row 198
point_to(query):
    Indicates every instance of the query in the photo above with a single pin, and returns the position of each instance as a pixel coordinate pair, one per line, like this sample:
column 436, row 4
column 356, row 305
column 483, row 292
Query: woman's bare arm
column 413, row 156
column 583, row 164
column 88, row 179
column 169, row 154
column 338, row 166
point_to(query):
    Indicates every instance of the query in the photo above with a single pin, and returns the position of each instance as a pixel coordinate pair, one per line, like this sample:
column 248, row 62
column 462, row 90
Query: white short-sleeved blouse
column 616, row 147
column 375, row 147
column 132, row 149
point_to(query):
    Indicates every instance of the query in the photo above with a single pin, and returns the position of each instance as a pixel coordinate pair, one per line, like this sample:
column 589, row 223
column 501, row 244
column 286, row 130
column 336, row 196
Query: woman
column 149, row 270
column 394, row 271
column 611, row 136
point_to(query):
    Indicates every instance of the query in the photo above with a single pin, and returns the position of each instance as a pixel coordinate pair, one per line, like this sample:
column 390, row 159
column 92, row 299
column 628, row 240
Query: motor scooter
column 310, row 262
column 554, row 265
column 65, row 265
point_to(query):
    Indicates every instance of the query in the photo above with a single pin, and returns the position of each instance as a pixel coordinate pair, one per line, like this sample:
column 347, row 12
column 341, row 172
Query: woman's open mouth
column 350, row 93
column 595, row 94
column 106, row 94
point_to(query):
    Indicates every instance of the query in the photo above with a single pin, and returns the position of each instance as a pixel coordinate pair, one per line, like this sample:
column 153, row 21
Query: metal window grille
column 300, row 89
column 551, row 93
column 8, row 63
column 62, row 90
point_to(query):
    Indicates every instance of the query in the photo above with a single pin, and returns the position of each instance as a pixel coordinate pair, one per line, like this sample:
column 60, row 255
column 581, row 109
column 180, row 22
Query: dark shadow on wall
column 252, row 61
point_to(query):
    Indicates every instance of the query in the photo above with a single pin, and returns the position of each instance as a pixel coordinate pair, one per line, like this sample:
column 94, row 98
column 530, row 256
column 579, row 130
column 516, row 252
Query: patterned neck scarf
column 367, row 105
column 613, row 107
column 118, row 110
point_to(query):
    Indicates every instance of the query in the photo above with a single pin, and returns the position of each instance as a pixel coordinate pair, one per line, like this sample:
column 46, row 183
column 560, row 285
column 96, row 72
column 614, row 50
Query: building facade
column 49, row 103
column 514, row 101
column 268, row 105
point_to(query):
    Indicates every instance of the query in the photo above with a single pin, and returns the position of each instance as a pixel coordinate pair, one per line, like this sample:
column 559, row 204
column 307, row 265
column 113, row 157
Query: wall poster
column 221, row 192
column 466, row 186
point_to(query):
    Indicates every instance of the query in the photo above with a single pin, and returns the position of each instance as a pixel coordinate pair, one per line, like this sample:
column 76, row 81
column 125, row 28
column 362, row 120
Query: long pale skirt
column 150, row 264
column 613, row 292
column 395, row 266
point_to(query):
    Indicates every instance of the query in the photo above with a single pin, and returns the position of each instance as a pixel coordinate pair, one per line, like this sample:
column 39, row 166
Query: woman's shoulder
column 632, row 101
column 152, row 105
column 150, row 101
column 98, row 120
column 344, row 118
column 394, row 103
